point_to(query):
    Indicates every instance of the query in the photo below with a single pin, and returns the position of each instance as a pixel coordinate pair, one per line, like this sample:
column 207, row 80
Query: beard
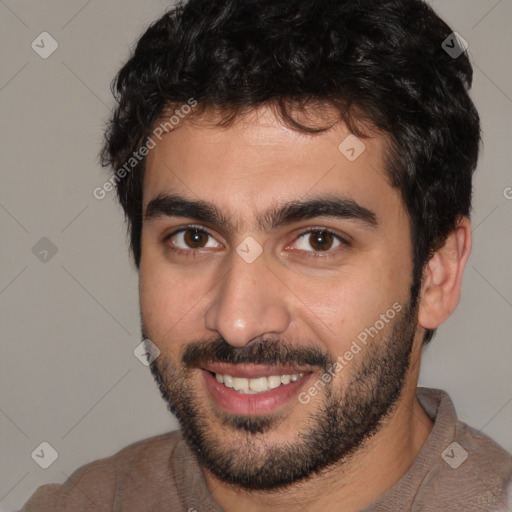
column 350, row 413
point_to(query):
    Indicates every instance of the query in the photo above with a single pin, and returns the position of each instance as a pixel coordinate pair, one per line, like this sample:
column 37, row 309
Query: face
column 275, row 280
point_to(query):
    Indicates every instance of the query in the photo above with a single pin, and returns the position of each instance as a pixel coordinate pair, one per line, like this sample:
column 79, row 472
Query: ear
column 442, row 277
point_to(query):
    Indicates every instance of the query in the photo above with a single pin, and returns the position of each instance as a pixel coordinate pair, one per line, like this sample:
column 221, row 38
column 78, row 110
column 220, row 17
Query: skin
column 322, row 303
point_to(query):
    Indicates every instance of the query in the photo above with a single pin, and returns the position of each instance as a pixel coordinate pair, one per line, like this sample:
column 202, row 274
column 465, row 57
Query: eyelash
column 192, row 253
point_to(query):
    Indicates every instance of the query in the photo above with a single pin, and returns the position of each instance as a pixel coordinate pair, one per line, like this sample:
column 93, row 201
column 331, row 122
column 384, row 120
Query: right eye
column 190, row 239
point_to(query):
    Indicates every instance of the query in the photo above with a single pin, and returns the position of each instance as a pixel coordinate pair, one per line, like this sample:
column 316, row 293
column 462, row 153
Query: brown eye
column 195, row 239
column 191, row 238
column 318, row 240
column 321, row 240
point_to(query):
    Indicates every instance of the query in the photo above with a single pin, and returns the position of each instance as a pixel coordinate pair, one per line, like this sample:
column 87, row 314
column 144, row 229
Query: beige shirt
column 160, row 474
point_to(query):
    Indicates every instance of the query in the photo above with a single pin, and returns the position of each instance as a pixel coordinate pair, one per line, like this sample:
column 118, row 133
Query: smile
column 253, row 390
column 258, row 385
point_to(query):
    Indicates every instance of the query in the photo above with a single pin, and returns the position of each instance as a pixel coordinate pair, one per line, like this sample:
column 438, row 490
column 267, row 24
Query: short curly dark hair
column 379, row 63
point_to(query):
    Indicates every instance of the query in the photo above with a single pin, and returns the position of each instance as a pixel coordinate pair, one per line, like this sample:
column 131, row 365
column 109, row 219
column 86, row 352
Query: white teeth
column 260, row 384
column 240, row 384
column 274, row 381
column 257, row 385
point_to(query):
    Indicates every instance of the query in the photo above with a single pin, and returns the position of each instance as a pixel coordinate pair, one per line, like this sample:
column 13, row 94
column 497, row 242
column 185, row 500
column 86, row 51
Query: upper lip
column 253, row 371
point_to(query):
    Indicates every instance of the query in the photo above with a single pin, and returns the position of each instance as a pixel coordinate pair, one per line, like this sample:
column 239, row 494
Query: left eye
column 320, row 240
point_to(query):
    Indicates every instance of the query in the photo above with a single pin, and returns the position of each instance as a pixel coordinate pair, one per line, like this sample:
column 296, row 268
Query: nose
column 250, row 302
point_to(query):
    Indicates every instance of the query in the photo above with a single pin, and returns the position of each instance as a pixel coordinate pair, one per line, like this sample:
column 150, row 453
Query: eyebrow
column 170, row 205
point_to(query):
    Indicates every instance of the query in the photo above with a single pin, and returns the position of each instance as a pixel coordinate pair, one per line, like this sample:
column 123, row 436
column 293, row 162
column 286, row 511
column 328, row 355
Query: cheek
column 171, row 300
column 340, row 309
column 159, row 300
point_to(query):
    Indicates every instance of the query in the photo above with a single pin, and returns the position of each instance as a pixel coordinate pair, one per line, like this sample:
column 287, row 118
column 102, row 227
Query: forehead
column 258, row 162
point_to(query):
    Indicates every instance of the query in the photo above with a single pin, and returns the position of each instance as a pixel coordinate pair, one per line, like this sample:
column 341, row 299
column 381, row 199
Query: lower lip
column 252, row 405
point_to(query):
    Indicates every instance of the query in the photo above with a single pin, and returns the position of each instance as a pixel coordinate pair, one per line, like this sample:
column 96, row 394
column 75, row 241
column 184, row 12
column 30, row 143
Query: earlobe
column 442, row 277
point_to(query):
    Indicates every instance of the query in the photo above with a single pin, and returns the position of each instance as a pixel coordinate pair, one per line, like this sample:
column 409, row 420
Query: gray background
column 70, row 324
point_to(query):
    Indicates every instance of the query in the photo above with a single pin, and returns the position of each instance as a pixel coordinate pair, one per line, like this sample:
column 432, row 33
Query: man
column 296, row 177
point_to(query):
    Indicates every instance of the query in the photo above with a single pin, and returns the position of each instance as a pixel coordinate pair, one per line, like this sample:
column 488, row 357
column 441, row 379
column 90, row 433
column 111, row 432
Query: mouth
column 257, row 385
column 253, row 389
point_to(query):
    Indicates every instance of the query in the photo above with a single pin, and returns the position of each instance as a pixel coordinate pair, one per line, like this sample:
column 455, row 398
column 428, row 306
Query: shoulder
column 94, row 485
column 487, row 452
column 489, row 466
column 466, row 469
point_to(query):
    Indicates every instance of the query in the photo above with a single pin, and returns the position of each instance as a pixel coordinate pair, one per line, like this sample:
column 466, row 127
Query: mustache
column 260, row 351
